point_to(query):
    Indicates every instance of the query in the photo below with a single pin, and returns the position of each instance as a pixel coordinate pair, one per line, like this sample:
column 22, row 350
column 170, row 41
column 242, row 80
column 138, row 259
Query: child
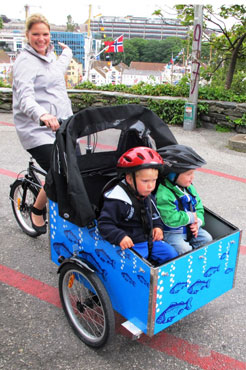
column 129, row 216
column 179, row 204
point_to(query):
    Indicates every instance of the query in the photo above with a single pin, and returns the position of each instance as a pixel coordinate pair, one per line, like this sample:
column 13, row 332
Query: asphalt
column 34, row 332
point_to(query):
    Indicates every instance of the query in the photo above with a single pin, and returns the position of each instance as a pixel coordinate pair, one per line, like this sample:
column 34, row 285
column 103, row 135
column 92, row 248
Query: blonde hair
column 36, row 18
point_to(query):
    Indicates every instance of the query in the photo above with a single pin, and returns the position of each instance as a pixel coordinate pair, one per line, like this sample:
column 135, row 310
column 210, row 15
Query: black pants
column 42, row 154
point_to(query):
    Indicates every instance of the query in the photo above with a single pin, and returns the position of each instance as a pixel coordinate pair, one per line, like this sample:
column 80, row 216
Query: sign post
column 190, row 112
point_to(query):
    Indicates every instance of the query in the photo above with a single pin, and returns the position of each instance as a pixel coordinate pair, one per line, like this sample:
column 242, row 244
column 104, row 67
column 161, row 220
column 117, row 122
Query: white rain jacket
column 38, row 88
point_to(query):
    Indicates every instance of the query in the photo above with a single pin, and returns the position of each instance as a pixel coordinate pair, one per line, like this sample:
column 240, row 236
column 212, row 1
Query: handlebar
column 41, row 123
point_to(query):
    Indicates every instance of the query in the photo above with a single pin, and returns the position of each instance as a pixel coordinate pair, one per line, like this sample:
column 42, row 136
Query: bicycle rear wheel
column 86, row 305
column 23, row 196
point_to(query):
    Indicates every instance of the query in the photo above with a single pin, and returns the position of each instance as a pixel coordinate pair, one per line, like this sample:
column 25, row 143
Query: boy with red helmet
column 129, row 216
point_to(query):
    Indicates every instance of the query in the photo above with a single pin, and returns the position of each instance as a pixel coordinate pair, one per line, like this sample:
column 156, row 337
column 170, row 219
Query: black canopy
column 64, row 182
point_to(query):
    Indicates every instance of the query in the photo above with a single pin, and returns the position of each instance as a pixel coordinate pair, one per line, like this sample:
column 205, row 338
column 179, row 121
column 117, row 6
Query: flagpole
column 172, row 70
column 88, row 48
column 106, row 47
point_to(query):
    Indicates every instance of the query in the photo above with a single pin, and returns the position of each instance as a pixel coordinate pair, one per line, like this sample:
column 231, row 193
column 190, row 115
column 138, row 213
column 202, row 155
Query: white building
column 133, row 76
column 6, row 64
column 14, row 40
column 172, row 74
column 103, row 73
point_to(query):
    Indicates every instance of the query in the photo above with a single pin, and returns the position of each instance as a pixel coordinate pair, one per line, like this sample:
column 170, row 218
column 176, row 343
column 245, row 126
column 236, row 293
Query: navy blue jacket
column 119, row 217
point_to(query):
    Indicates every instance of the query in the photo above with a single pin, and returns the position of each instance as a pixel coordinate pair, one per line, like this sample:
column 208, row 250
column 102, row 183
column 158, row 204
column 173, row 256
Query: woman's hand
column 50, row 121
column 62, row 45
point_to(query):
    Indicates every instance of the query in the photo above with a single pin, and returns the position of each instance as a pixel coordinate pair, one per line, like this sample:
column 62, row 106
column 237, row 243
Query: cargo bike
column 96, row 278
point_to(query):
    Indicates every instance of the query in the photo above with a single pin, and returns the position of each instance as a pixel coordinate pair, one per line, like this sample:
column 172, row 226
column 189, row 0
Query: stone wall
column 220, row 113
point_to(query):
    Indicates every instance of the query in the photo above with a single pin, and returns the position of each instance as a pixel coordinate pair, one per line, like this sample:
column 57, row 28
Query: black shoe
column 39, row 229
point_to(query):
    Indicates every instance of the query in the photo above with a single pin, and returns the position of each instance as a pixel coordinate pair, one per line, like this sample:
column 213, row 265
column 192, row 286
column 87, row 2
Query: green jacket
column 177, row 206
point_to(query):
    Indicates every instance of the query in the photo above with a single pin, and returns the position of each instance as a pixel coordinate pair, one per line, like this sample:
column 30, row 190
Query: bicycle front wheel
column 23, row 196
column 86, row 305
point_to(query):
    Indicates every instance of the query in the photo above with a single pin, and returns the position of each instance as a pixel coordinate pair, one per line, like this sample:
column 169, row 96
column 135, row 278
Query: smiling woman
column 39, row 94
column 39, row 37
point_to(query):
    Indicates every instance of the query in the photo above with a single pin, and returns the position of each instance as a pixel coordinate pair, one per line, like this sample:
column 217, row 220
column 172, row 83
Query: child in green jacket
column 178, row 202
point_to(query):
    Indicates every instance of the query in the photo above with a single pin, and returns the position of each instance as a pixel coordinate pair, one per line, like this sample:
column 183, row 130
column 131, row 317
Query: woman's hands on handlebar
column 50, row 121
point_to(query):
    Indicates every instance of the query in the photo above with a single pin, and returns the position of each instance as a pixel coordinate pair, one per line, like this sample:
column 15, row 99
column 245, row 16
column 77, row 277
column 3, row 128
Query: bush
column 4, row 84
column 179, row 90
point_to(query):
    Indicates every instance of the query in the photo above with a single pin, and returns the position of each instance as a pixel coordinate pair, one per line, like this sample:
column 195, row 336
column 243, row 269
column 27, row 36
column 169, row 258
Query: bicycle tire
column 22, row 210
column 86, row 304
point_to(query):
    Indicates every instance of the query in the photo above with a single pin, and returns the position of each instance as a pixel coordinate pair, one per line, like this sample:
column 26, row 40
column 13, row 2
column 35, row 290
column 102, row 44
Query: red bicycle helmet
column 139, row 158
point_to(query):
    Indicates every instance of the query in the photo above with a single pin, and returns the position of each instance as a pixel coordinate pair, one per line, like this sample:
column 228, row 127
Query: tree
column 71, row 26
column 230, row 44
column 1, row 23
column 152, row 51
column 4, row 46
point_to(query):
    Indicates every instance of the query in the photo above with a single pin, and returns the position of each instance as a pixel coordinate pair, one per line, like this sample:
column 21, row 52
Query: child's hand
column 157, row 234
column 126, row 242
column 194, row 229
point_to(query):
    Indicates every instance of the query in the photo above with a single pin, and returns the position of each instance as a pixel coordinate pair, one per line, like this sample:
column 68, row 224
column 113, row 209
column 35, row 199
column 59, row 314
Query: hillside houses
column 5, row 67
column 74, row 73
column 103, row 73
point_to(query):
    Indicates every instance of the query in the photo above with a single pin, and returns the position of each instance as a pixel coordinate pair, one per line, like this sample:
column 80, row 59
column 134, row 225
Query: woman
column 39, row 93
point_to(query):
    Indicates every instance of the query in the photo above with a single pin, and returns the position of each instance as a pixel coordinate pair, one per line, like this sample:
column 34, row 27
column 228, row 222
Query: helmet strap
column 135, row 189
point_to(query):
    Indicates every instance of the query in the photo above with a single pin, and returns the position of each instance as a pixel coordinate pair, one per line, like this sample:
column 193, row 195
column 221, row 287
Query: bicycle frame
column 32, row 178
column 31, row 175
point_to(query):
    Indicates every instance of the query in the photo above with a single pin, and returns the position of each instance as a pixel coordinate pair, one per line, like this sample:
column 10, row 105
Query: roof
column 121, row 67
column 99, row 64
column 100, row 71
column 4, row 58
column 145, row 66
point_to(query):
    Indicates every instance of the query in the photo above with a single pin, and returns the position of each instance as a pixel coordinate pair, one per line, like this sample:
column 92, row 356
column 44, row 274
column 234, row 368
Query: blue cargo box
column 152, row 298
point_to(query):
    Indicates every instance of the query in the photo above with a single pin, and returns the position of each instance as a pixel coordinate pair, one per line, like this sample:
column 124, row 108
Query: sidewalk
column 35, row 333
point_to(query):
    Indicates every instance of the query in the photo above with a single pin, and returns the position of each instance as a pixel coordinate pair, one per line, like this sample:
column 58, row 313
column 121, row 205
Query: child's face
column 185, row 179
column 145, row 181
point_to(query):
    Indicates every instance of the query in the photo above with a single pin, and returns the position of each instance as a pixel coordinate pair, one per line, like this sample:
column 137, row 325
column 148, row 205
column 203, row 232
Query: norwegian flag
column 115, row 46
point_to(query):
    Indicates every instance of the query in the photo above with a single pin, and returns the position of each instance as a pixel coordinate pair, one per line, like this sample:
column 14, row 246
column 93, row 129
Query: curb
column 238, row 142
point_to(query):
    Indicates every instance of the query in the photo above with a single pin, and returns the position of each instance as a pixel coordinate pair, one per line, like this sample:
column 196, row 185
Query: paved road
column 34, row 332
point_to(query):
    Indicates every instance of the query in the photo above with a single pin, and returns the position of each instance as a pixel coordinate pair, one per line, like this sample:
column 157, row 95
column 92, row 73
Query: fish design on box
column 224, row 255
column 92, row 261
column 197, row 286
column 177, row 287
column 228, row 270
column 95, row 235
column 62, row 250
column 71, row 236
column 122, row 253
column 142, row 280
column 128, row 279
column 104, row 257
column 212, row 270
column 175, row 309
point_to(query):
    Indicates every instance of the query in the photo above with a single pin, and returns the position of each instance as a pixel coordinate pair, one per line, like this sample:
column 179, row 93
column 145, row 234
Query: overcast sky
column 56, row 11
